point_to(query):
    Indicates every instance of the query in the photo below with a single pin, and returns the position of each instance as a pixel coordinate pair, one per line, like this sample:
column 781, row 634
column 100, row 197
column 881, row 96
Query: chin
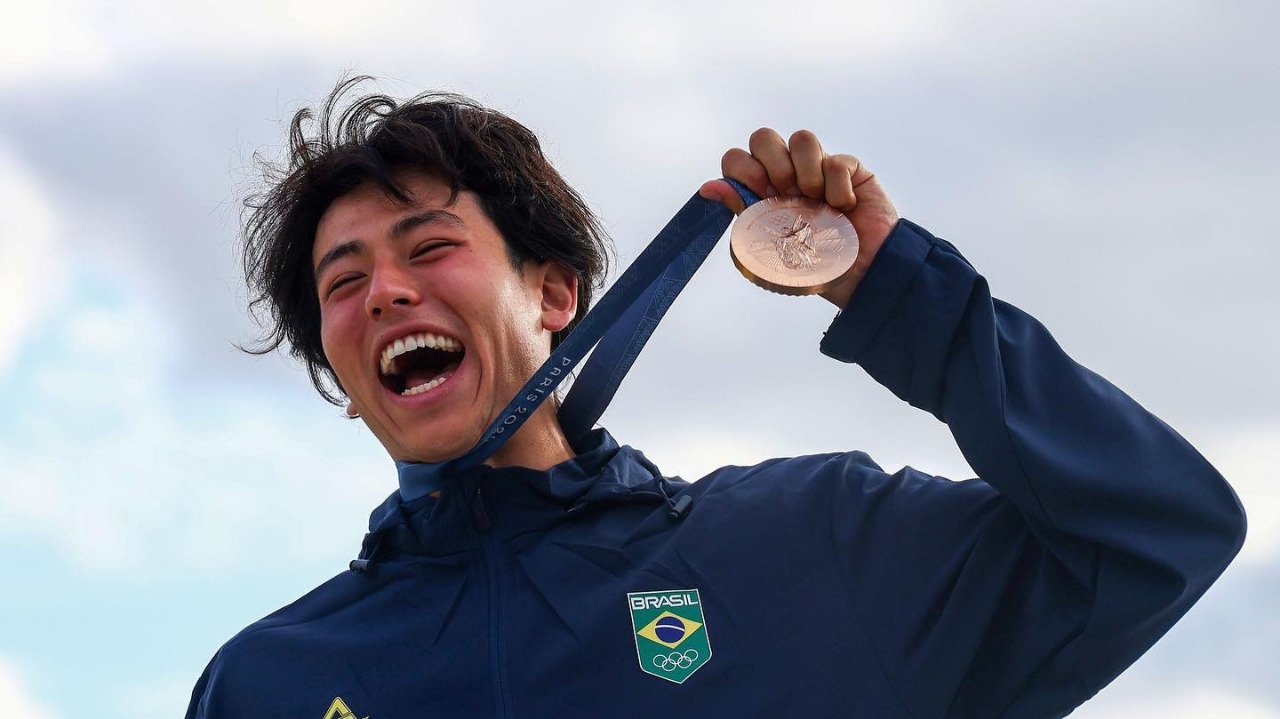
column 419, row 449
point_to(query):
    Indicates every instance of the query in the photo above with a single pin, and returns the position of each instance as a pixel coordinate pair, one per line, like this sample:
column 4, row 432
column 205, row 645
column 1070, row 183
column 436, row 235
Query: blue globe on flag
column 669, row 629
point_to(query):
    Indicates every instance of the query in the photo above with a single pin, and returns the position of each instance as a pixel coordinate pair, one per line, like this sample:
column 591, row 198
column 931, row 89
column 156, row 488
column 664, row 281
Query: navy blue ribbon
column 621, row 323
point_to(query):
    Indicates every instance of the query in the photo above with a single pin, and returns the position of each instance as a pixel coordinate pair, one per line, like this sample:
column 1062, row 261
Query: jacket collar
column 508, row 501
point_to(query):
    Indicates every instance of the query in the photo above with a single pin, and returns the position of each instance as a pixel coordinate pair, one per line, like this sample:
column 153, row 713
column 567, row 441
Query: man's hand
column 801, row 167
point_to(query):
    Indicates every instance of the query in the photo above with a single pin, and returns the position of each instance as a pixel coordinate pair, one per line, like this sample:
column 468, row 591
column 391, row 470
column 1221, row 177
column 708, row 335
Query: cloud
column 75, row 37
column 108, row 457
column 1249, row 458
column 155, row 699
column 16, row 696
column 1183, row 702
column 990, row 40
column 44, row 40
column 31, row 271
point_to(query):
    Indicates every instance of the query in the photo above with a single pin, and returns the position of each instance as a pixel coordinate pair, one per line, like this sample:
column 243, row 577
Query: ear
column 559, row 297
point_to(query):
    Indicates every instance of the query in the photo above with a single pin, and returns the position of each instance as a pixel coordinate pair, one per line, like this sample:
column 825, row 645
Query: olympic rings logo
column 675, row 660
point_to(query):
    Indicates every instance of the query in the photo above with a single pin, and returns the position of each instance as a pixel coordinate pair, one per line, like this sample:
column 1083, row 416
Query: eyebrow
column 351, row 247
column 402, row 227
column 431, row 217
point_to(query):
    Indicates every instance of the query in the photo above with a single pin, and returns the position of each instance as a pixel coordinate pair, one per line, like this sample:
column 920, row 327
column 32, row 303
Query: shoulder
column 315, row 607
column 258, row 667
column 811, row 474
column 803, row 470
column 841, row 485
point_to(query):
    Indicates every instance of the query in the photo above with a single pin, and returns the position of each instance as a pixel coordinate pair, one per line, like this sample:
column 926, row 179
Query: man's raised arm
column 1094, row 525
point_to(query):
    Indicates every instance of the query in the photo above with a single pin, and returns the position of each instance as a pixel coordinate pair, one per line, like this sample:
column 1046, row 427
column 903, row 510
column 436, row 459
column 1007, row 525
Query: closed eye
column 427, row 247
column 341, row 281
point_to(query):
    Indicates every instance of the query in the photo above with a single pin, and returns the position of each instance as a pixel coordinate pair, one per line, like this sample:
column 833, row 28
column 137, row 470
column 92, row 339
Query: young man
column 423, row 259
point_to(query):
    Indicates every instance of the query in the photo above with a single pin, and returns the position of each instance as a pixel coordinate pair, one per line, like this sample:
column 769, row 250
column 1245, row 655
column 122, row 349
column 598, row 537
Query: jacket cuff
column 897, row 263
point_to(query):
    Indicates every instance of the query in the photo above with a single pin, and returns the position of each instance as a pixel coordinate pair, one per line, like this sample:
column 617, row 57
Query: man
column 423, row 259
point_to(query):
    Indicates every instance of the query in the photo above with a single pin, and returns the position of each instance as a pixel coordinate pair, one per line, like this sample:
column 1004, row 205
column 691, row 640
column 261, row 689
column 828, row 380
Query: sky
column 1109, row 167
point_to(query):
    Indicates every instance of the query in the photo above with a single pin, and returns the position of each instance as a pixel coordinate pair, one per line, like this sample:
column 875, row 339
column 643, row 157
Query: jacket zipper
column 483, row 524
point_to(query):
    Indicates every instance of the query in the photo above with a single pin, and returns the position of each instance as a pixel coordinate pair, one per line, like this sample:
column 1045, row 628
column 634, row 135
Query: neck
column 539, row 444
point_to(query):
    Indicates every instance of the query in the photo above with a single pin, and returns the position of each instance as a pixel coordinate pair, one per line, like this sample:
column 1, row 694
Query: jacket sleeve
column 1093, row 528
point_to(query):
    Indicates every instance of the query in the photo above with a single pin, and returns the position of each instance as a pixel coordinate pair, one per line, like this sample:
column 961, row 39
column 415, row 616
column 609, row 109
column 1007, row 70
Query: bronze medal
column 793, row 245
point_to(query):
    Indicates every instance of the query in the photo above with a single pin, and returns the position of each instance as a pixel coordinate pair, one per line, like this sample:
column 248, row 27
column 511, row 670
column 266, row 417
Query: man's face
column 428, row 326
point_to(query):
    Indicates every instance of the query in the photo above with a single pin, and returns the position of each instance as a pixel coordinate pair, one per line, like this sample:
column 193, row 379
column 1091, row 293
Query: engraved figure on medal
column 793, row 245
column 799, row 247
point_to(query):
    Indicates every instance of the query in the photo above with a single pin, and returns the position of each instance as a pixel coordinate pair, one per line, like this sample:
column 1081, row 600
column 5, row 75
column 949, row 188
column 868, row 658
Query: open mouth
column 419, row 363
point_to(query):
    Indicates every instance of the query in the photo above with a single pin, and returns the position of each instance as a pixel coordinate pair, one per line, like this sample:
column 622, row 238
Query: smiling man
column 429, row 323
column 423, row 260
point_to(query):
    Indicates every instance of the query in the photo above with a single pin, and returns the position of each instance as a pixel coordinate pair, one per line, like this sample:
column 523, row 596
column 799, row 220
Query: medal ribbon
column 620, row 324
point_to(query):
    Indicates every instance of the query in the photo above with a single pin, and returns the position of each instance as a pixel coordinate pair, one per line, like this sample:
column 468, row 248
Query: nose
column 390, row 287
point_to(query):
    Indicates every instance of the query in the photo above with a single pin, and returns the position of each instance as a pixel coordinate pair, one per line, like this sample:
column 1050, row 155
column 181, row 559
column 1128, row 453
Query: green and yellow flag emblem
column 670, row 633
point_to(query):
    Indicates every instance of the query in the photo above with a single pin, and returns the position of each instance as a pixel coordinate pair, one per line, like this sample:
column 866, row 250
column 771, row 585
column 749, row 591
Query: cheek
column 519, row 313
column 338, row 338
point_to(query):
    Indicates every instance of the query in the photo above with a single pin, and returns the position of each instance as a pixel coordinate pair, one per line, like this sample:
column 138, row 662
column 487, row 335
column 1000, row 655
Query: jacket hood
column 514, row 500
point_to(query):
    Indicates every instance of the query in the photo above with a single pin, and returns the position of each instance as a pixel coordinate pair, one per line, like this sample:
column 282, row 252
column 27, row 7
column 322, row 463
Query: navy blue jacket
column 828, row 587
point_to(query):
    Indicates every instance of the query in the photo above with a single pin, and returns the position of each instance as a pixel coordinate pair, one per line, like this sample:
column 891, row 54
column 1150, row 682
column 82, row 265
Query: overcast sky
column 1110, row 167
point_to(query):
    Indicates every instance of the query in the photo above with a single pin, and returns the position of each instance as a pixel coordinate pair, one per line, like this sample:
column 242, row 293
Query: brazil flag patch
column 670, row 633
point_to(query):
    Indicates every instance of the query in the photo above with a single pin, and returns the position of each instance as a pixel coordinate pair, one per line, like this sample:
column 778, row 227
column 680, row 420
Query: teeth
column 426, row 387
column 412, row 342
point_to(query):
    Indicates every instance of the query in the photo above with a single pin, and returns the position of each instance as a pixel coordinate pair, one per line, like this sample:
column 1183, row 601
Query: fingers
column 790, row 167
column 769, row 149
column 806, row 157
column 797, row 166
column 838, row 172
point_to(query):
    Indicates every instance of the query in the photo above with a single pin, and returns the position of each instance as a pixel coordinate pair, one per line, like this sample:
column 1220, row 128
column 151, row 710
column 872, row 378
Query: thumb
column 723, row 192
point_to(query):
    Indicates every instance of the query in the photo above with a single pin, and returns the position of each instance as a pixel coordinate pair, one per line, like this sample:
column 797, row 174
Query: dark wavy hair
column 369, row 139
